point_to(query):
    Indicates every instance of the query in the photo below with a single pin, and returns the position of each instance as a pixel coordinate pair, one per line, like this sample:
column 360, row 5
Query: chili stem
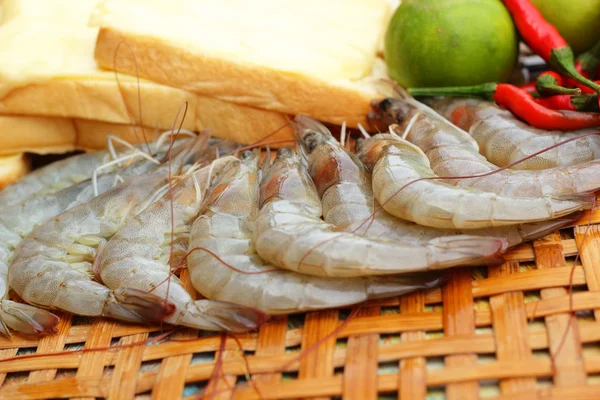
column 562, row 60
column 484, row 91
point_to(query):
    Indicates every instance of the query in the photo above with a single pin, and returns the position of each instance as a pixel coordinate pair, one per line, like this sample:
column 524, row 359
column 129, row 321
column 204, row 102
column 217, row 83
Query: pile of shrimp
column 318, row 226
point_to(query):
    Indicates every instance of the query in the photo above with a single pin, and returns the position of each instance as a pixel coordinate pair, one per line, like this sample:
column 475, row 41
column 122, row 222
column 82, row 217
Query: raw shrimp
column 20, row 219
column 53, row 177
column 504, row 139
column 139, row 257
column 399, row 168
column 348, row 203
column 289, row 233
column 53, row 265
column 452, row 152
column 64, row 173
column 222, row 234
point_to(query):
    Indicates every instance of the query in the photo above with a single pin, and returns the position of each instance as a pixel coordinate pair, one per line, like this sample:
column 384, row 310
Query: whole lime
column 450, row 43
column 576, row 20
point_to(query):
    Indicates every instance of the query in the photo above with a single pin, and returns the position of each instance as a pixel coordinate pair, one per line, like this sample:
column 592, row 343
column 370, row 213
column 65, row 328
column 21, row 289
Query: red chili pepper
column 570, row 103
column 520, row 103
column 558, row 102
column 529, row 87
column 543, row 38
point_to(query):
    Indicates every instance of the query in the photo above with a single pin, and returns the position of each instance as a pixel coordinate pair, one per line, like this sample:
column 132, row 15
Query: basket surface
column 511, row 331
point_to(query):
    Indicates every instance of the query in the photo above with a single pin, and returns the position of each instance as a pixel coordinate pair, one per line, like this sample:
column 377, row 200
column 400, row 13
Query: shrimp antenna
column 363, row 131
column 410, row 124
column 172, row 137
column 137, row 153
column 343, row 134
column 155, row 137
column 139, row 94
column 261, row 140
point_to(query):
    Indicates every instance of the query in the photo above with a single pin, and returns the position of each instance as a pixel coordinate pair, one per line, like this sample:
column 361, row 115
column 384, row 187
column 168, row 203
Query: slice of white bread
column 12, row 167
column 312, row 56
column 48, row 69
column 46, row 135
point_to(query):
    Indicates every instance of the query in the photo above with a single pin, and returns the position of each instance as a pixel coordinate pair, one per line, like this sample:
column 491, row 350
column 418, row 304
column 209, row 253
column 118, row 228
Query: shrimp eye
column 311, row 140
column 246, row 154
column 385, row 104
column 283, row 152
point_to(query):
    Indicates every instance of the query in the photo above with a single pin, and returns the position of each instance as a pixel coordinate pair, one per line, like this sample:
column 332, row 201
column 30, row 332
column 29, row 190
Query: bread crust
column 255, row 86
column 12, row 168
column 99, row 100
column 41, row 135
column 45, row 135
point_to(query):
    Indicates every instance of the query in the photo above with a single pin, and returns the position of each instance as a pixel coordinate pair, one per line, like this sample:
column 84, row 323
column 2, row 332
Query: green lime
column 576, row 20
column 450, row 43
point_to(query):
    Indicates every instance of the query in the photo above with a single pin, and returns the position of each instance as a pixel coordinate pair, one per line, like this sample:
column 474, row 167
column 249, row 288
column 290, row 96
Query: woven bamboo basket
column 527, row 329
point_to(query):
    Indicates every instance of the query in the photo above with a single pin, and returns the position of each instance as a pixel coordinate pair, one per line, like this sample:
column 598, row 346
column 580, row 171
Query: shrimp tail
column 472, row 250
column 218, row 315
column 540, row 229
column 25, row 319
column 137, row 306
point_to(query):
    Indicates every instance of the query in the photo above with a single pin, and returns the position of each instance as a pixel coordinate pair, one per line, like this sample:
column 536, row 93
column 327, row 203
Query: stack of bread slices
column 73, row 72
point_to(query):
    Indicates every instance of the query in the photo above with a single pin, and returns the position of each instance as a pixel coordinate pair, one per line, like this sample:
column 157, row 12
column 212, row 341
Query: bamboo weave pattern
column 511, row 331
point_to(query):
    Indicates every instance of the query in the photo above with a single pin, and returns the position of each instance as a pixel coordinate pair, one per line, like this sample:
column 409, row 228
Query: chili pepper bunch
column 565, row 98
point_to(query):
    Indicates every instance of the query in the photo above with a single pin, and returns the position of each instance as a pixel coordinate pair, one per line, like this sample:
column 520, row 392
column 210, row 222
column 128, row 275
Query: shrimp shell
column 452, row 152
column 139, row 257
column 289, row 233
column 20, row 219
column 64, row 173
column 503, row 139
column 53, row 266
column 399, row 167
column 348, row 203
column 53, row 177
column 224, row 229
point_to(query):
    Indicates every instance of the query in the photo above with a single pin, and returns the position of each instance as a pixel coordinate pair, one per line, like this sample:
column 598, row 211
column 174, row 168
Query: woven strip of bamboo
column 511, row 331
